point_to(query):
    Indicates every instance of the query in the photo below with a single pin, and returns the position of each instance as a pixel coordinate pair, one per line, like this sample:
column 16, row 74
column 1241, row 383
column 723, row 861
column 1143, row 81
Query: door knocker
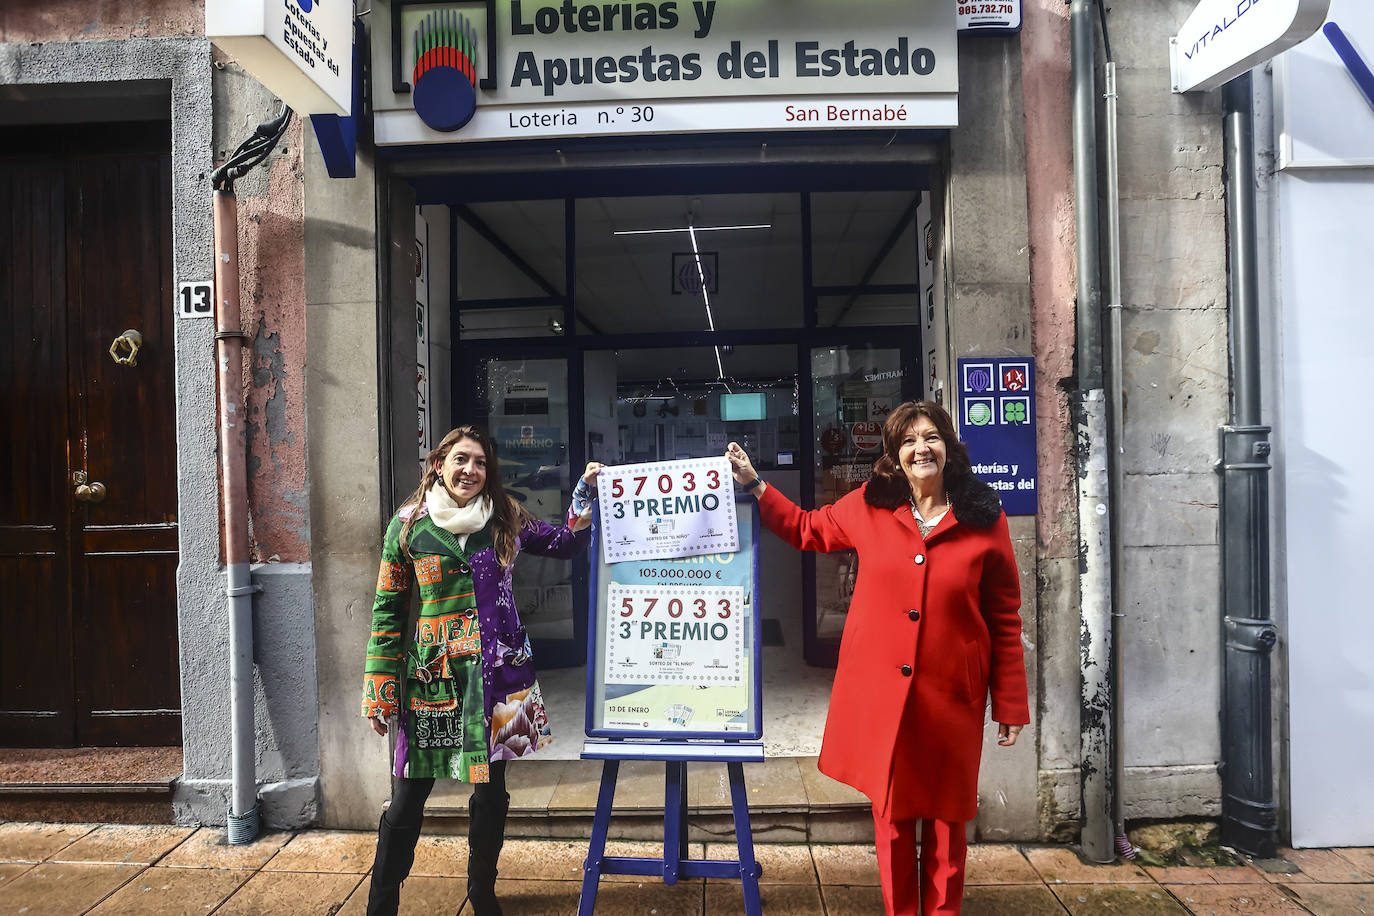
column 124, row 350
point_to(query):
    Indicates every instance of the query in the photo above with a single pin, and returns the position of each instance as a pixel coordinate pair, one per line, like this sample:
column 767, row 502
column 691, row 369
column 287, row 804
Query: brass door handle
column 91, row 493
column 124, row 350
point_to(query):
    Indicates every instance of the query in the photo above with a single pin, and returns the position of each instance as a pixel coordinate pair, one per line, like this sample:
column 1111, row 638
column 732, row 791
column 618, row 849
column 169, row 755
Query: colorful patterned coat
column 464, row 687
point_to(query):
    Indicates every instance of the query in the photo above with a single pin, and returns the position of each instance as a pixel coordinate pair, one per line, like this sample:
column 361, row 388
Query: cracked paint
column 84, row 20
column 272, row 290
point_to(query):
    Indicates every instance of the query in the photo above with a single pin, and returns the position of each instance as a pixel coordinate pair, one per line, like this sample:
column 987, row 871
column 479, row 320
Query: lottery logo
column 445, row 74
column 1014, row 378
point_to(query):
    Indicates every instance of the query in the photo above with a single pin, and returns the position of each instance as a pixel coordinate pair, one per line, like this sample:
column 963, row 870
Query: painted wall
column 101, row 20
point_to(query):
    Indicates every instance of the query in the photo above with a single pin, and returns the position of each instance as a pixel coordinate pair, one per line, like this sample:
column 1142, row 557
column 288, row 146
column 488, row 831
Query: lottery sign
column 667, row 509
column 675, row 634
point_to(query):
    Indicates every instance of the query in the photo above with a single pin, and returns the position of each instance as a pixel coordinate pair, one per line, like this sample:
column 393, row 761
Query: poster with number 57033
column 667, row 509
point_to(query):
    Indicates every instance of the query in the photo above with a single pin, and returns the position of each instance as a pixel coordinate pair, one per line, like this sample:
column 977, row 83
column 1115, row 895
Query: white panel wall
column 1327, row 440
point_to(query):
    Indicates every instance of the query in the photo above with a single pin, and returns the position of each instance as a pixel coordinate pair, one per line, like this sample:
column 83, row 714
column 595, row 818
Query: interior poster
column 655, row 690
column 667, row 509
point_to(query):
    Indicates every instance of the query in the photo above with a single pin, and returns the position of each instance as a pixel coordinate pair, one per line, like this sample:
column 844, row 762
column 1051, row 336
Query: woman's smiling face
column 464, row 470
column 922, row 453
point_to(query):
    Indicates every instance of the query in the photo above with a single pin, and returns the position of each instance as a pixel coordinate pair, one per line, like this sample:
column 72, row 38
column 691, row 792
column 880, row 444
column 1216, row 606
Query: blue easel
column 733, row 746
column 674, row 864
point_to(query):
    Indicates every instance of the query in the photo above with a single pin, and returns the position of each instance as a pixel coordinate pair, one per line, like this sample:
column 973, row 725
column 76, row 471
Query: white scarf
column 456, row 519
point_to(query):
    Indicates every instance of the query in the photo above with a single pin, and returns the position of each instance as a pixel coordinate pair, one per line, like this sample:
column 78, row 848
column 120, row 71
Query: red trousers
column 938, row 885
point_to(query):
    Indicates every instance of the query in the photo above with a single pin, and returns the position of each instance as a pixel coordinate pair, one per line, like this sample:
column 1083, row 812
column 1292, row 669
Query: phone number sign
column 667, row 509
column 1000, row 16
column 675, row 634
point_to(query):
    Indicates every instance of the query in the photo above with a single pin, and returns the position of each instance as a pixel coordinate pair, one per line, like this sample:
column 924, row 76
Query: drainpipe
column 243, row 817
column 1097, row 726
column 1248, row 812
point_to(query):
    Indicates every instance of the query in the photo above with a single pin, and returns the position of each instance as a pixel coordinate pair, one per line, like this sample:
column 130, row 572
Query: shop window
column 865, row 311
column 510, row 321
column 637, row 271
column 863, row 238
column 509, row 250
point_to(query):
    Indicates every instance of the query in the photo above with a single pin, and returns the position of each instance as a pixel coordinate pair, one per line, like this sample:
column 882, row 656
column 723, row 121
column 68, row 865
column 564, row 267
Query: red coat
column 965, row 639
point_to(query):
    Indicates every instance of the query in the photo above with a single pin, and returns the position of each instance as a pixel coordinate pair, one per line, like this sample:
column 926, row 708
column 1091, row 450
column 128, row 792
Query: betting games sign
column 997, row 423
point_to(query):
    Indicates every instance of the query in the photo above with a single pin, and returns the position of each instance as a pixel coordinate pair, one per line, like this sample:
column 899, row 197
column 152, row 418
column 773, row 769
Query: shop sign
column 667, row 509
column 997, row 423
column 987, row 16
column 1222, row 39
column 505, row 69
column 301, row 50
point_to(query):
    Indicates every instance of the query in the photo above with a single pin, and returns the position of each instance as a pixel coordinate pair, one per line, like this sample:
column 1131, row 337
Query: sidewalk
column 54, row 869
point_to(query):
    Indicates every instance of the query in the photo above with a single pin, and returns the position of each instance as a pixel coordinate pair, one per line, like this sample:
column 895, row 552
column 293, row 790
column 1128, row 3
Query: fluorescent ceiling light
column 690, row 229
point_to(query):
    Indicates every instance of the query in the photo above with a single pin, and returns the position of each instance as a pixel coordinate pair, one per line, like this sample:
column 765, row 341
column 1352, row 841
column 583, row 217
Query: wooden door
column 88, row 640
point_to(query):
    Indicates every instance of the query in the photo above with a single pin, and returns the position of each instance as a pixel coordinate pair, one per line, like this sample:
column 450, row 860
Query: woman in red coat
column 933, row 627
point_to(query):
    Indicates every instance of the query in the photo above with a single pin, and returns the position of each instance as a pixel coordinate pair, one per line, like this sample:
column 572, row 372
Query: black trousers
column 408, row 796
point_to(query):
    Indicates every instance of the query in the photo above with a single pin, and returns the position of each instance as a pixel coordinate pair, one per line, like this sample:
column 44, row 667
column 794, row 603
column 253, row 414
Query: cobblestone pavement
column 54, row 869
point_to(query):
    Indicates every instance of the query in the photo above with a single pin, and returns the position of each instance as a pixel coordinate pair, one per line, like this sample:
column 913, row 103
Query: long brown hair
column 889, row 483
column 507, row 515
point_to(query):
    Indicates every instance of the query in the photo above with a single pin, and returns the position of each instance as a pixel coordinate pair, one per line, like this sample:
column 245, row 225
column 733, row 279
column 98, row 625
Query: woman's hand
column 378, row 724
column 740, row 465
column 1006, row 734
column 590, row 474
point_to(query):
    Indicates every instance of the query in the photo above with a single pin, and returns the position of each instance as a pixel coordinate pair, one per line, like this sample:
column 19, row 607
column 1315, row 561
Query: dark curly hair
column 888, row 486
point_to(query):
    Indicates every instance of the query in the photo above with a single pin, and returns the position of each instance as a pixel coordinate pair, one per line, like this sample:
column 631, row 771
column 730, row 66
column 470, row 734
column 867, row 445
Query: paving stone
column 1181, row 874
column 778, row 899
column 21, row 842
column 559, row 898
column 783, row 863
column 996, row 864
column 1361, row 857
column 1058, row 865
column 419, row 897
column 1337, row 899
column 13, row 870
column 326, row 851
column 58, row 888
column 123, row 844
column 846, row 865
column 159, row 890
column 292, row 892
column 843, row 900
column 1142, row 899
column 1219, row 899
column 1023, row 900
column 208, row 847
column 1325, row 866
column 629, row 849
column 442, row 857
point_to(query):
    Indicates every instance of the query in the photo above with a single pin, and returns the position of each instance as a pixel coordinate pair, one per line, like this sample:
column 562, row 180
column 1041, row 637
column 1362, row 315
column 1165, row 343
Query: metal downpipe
column 1094, row 529
column 243, row 817
column 1249, row 819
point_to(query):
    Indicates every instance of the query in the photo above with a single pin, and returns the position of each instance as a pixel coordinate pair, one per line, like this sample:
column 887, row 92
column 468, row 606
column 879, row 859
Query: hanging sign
column 997, row 423
column 667, row 509
column 301, row 50
column 985, row 16
column 1222, row 39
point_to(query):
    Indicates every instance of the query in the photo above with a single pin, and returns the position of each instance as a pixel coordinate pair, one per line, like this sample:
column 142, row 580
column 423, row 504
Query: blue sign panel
column 997, row 422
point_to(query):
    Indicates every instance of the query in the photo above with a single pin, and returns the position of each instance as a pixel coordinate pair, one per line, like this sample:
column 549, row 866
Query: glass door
column 853, row 389
column 523, row 401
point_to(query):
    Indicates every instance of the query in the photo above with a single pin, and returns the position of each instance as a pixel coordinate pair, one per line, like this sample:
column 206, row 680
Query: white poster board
column 689, row 634
column 667, row 509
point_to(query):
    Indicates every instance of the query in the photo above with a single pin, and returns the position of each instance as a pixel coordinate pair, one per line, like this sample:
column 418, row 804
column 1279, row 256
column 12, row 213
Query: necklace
column 921, row 524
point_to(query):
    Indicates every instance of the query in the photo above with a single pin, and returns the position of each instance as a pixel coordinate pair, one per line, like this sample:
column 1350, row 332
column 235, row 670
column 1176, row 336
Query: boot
column 486, row 833
column 395, row 854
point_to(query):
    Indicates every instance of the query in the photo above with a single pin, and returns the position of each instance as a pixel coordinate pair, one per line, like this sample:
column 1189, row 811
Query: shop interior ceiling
column 624, row 281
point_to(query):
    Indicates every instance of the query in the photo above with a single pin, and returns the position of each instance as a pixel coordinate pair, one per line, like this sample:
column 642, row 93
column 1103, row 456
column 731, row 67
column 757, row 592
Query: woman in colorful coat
column 463, row 689
column 933, row 627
